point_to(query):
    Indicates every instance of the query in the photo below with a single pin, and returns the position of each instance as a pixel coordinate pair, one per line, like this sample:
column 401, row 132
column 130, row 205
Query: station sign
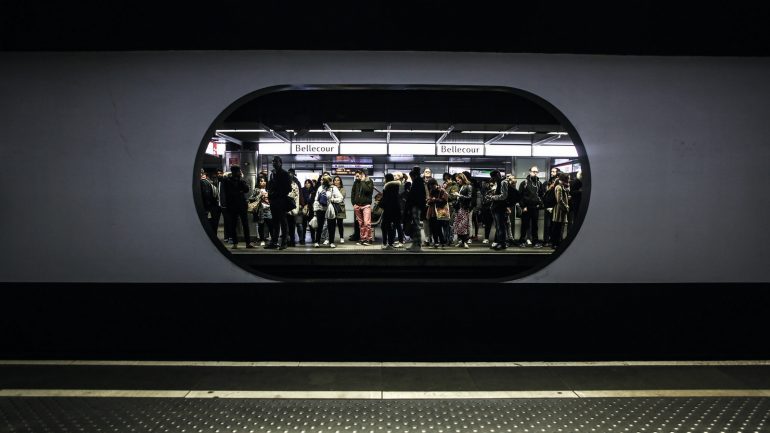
column 315, row 148
column 460, row 149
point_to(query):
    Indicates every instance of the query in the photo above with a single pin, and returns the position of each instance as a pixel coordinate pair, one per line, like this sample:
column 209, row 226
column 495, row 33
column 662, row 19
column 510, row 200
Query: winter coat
column 531, row 193
column 561, row 208
column 362, row 192
column 390, row 202
column 279, row 187
column 233, row 194
column 416, row 195
column 336, row 197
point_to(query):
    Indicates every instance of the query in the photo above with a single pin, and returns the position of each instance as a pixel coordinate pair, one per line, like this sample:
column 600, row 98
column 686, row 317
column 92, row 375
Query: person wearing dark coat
column 209, row 194
column 278, row 188
column 415, row 206
column 233, row 195
column 576, row 195
column 391, row 210
column 531, row 191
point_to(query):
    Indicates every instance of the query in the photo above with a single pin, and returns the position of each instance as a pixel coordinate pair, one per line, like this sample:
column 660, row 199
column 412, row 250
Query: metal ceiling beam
column 451, row 127
column 275, row 134
column 499, row 136
column 230, row 139
column 547, row 140
column 329, row 130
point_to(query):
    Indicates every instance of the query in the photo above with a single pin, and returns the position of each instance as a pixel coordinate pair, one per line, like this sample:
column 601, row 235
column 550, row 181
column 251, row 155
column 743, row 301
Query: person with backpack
column 549, row 201
column 326, row 197
column 531, row 192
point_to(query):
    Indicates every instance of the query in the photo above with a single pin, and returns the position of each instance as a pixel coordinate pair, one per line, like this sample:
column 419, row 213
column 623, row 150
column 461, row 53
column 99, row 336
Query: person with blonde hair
column 326, row 197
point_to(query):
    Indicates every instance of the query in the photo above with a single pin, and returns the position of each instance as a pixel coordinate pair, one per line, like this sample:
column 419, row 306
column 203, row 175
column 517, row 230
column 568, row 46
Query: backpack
column 323, row 200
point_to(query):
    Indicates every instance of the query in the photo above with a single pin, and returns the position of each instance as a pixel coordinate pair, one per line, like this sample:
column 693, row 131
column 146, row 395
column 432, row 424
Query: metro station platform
column 171, row 396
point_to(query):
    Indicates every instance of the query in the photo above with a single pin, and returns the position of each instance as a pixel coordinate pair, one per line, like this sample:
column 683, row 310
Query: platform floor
column 131, row 396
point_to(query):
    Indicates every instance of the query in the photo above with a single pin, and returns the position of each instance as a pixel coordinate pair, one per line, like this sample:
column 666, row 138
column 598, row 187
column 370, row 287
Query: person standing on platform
column 427, row 175
column 234, row 205
column 549, row 201
column 361, row 198
column 498, row 197
column 337, row 182
column 295, row 215
column 415, row 206
column 210, row 196
column 560, row 209
column 575, row 196
column 391, row 211
column 463, row 199
column 531, row 192
column 278, row 188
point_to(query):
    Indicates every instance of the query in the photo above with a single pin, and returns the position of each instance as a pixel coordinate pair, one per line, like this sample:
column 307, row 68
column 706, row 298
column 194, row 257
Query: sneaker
column 249, row 245
column 415, row 248
column 235, row 246
column 315, row 245
column 469, row 241
column 499, row 247
column 459, row 244
column 442, row 246
column 326, row 242
column 494, row 244
column 434, row 246
column 365, row 244
column 332, row 246
column 529, row 242
column 262, row 244
column 538, row 245
column 485, row 241
column 342, row 240
column 397, row 245
column 465, row 246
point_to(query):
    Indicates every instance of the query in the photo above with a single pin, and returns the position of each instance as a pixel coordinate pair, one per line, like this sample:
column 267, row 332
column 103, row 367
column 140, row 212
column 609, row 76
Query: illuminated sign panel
column 460, row 149
column 364, row 148
column 280, row 148
column 412, row 149
column 315, row 148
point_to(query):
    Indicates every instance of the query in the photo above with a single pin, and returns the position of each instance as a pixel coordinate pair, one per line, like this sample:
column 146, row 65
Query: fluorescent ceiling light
column 500, row 132
column 334, row 130
column 416, row 131
column 241, row 130
column 559, row 133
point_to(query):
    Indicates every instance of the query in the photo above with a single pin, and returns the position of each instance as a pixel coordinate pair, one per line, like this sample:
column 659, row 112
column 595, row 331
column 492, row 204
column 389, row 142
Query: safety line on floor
column 384, row 395
column 386, row 364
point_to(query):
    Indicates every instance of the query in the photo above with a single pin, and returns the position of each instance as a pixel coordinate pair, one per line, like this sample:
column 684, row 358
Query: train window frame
column 546, row 261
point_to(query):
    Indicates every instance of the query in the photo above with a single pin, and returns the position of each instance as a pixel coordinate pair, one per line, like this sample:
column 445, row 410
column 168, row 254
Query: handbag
column 518, row 211
column 253, row 206
column 313, row 223
column 442, row 213
column 337, row 208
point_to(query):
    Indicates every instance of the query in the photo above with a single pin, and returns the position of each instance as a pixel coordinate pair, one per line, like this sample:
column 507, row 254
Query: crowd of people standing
column 415, row 208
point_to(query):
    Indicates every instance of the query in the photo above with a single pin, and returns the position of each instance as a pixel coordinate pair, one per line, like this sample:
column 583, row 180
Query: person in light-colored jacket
column 324, row 210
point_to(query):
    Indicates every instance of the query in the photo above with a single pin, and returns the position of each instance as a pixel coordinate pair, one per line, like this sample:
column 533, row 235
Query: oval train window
column 301, row 183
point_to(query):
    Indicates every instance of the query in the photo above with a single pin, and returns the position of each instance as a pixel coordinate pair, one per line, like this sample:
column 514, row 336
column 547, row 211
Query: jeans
column 364, row 218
